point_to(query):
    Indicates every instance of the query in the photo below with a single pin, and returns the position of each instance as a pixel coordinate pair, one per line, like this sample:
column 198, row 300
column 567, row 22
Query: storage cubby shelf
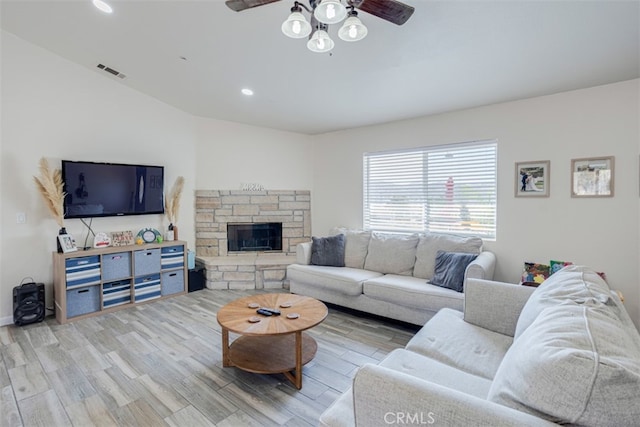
column 96, row 281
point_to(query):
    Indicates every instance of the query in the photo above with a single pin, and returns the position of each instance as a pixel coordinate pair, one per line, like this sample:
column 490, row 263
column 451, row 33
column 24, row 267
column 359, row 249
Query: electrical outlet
column 21, row 218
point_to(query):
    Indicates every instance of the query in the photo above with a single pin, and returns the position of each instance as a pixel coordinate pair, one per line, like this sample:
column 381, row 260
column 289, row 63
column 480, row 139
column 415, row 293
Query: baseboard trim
column 4, row 321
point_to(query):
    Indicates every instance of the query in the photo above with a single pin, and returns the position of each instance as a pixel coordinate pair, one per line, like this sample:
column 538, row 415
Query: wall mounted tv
column 111, row 189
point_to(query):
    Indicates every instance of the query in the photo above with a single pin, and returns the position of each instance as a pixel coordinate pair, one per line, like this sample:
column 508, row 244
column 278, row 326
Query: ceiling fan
column 325, row 12
column 389, row 10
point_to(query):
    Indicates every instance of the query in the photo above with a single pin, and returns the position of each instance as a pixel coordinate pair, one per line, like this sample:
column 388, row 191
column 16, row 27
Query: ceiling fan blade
column 389, row 10
column 240, row 5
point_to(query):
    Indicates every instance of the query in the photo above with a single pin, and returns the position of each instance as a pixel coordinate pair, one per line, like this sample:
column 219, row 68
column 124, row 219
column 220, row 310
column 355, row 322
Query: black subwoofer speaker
column 28, row 303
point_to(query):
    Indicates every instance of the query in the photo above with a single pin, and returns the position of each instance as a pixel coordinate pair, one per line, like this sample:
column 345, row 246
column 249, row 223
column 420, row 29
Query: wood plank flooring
column 160, row 364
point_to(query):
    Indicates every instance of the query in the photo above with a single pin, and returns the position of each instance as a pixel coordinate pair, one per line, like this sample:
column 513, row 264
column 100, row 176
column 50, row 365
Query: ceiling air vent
column 112, row 71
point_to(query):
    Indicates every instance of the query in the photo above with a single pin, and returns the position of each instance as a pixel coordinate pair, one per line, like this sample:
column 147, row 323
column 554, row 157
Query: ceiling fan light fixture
column 296, row 26
column 320, row 42
column 353, row 29
column 330, row 11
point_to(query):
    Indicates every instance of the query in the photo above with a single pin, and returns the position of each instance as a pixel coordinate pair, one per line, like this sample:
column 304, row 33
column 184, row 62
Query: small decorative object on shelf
column 101, row 240
column 51, row 186
column 67, row 243
column 172, row 208
column 61, row 232
column 251, row 186
column 122, row 238
column 148, row 235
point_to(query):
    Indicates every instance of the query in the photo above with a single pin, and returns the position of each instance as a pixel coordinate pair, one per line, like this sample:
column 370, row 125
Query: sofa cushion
column 450, row 340
column 575, row 363
column 450, row 268
column 412, row 292
column 573, row 283
column 425, row 368
column 341, row 412
column 344, row 280
column 328, row 251
column 355, row 247
column 391, row 253
column 431, row 243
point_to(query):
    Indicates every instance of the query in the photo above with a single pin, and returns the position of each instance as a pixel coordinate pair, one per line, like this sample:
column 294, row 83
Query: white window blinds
column 448, row 188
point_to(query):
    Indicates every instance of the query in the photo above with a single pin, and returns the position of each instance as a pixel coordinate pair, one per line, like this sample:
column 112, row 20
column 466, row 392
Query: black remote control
column 264, row 312
column 273, row 311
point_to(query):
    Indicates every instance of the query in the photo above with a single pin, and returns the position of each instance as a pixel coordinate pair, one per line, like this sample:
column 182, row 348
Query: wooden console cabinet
column 96, row 281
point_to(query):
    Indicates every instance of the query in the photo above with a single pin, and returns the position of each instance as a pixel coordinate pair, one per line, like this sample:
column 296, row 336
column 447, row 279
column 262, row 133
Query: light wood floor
column 160, row 364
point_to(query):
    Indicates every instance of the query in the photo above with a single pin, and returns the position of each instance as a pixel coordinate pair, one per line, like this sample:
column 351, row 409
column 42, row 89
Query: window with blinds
column 448, row 188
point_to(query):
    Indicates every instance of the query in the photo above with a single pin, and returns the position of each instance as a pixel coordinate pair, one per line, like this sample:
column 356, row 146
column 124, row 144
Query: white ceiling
column 450, row 55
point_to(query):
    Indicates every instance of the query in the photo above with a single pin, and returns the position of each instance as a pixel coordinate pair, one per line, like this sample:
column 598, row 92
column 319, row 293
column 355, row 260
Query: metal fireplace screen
column 265, row 236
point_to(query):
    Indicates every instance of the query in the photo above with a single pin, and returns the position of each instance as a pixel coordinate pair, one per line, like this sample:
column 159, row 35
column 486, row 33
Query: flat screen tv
column 111, row 189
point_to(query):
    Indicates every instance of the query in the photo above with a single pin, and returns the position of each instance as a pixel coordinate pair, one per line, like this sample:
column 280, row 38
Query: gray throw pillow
column 450, row 268
column 328, row 251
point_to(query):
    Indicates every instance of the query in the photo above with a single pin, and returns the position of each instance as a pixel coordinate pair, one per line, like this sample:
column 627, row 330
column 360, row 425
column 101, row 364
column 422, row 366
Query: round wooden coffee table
column 271, row 344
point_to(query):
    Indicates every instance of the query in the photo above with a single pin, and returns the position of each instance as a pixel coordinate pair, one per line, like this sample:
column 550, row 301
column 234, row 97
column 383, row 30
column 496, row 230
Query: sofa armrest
column 482, row 267
column 494, row 305
column 303, row 253
column 382, row 396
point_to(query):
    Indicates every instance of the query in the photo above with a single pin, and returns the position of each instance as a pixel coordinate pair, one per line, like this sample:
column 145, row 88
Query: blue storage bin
column 172, row 282
column 172, row 257
column 147, row 287
column 82, row 271
column 146, row 262
column 116, row 293
column 83, row 300
column 116, row 266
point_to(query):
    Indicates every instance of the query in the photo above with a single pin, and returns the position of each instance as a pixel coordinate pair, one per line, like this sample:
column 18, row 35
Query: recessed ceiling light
column 102, row 6
column 247, row 91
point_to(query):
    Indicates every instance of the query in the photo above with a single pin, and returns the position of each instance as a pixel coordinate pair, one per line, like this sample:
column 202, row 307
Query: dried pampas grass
column 50, row 185
column 172, row 201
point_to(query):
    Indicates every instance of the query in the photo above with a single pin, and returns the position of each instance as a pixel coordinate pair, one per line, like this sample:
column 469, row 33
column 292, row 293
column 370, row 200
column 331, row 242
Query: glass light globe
column 296, row 26
column 330, row 11
column 352, row 30
column 320, row 42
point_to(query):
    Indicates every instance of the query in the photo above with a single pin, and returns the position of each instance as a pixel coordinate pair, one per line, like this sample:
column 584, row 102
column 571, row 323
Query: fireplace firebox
column 247, row 237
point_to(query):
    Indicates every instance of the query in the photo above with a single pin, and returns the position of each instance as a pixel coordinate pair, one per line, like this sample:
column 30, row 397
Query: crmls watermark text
column 410, row 418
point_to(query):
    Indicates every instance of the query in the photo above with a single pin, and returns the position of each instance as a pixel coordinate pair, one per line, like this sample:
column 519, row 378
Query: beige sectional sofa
column 565, row 353
column 388, row 274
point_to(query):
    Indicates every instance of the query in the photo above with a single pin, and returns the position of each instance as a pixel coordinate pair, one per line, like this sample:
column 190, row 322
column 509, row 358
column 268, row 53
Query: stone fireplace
column 259, row 265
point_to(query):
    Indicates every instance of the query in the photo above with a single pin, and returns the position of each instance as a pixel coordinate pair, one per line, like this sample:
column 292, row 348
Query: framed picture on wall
column 532, row 179
column 592, row 177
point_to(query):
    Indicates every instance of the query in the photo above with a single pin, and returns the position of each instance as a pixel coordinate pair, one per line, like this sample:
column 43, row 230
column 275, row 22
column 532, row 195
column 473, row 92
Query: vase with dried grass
column 172, row 207
column 51, row 186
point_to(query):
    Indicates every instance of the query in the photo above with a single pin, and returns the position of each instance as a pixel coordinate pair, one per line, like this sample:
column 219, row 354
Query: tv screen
column 111, row 189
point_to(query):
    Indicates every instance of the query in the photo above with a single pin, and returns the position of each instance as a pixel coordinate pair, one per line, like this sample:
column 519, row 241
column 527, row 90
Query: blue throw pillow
column 450, row 268
column 328, row 251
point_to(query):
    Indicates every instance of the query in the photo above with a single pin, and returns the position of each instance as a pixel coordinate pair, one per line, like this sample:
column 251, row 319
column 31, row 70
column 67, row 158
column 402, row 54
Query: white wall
column 60, row 110
column 230, row 154
column 601, row 233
